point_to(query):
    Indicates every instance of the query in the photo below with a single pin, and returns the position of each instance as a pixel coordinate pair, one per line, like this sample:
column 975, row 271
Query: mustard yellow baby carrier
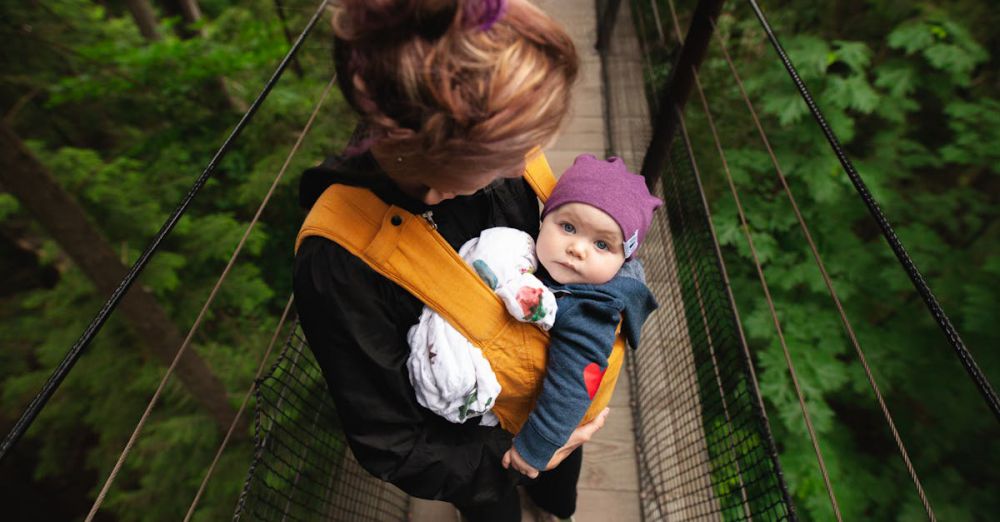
column 408, row 251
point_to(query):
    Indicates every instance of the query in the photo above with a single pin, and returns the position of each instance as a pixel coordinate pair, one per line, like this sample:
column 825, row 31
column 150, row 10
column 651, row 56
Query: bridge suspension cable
column 239, row 413
column 968, row 362
column 76, row 351
column 744, row 225
column 828, row 282
column 211, row 297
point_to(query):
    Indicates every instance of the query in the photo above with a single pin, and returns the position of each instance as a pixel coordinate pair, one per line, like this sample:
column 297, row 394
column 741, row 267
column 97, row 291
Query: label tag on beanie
column 631, row 244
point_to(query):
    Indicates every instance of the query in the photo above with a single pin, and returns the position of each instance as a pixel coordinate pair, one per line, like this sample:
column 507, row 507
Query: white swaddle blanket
column 449, row 374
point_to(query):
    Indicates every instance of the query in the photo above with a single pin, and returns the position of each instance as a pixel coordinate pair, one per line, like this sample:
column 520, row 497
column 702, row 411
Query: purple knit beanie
column 608, row 186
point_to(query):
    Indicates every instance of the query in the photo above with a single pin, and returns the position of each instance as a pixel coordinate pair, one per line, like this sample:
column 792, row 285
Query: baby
column 593, row 222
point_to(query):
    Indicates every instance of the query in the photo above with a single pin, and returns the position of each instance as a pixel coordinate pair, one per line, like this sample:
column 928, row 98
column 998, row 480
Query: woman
column 452, row 95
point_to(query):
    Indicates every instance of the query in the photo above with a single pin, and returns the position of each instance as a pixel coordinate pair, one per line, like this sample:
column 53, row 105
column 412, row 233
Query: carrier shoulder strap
column 539, row 175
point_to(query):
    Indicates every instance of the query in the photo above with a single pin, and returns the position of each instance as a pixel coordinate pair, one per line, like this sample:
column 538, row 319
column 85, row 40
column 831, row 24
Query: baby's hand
column 512, row 457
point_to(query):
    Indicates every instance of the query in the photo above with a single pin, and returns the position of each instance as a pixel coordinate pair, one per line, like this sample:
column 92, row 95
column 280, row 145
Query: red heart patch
column 592, row 376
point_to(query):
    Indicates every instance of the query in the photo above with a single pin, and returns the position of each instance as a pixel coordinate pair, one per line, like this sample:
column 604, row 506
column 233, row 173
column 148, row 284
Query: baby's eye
column 568, row 228
column 601, row 245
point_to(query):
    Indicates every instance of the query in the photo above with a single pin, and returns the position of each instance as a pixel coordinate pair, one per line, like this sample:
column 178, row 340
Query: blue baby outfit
column 583, row 333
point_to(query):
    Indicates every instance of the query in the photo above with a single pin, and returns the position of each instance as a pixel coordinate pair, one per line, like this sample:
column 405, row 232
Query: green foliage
column 945, row 44
column 8, row 205
column 911, row 93
column 126, row 126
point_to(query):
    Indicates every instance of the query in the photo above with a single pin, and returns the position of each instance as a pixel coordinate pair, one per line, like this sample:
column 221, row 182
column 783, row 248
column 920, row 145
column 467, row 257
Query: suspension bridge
column 689, row 437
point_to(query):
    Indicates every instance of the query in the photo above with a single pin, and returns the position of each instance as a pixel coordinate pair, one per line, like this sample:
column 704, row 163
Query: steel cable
column 76, row 351
column 239, row 413
column 977, row 376
column 760, row 274
column 828, row 282
column 770, row 303
column 204, row 309
column 759, row 414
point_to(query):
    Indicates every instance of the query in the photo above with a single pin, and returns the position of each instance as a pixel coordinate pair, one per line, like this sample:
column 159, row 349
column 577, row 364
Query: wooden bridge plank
column 604, row 505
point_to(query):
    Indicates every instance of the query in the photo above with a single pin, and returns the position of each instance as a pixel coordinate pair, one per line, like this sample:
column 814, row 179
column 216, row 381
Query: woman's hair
column 474, row 84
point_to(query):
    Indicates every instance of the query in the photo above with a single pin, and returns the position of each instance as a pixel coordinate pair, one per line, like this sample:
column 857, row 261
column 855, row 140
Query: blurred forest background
column 120, row 104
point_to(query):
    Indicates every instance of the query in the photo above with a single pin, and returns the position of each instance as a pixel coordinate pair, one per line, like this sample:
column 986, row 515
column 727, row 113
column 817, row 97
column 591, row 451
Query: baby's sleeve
column 581, row 342
column 528, row 300
column 505, row 259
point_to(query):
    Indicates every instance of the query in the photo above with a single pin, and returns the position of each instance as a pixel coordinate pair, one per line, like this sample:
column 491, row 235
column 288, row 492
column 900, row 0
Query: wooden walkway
column 676, row 465
column 609, row 484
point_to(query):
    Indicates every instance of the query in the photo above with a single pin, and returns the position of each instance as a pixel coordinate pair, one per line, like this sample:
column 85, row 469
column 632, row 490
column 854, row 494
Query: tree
column 25, row 178
column 145, row 18
column 911, row 92
column 122, row 124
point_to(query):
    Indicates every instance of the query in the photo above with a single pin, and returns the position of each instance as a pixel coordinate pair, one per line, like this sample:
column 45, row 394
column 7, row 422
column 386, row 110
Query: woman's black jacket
column 356, row 323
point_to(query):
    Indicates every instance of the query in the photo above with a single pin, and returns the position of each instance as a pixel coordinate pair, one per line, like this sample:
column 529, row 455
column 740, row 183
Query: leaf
column 914, row 154
column 744, row 163
column 842, row 124
column 820, row 175
column 810, row 55
column 162, row 273
column 853, row 92
column 896, row 77
column 911, row 37
column 976, row 130
column 788, row 107
column 856, row 55
column 945, row 44
column 953, row 59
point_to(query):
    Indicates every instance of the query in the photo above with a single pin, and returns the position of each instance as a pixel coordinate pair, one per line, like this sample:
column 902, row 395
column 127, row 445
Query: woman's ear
column 392, row 162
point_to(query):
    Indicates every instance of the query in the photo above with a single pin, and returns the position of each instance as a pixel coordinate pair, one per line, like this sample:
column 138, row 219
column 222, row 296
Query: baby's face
column 579, row 243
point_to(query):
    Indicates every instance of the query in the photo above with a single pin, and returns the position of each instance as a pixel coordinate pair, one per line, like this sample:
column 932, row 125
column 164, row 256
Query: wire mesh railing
column 702, row 440
column 302, row 469
column 704, row 447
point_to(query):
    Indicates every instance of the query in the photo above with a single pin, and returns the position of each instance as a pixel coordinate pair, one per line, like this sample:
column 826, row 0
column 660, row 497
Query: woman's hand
column 579, row 436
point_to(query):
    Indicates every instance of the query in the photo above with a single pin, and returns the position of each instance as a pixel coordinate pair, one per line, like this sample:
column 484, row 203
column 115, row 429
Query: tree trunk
column 33, row 185
column 191, row 10
column 145, row 18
